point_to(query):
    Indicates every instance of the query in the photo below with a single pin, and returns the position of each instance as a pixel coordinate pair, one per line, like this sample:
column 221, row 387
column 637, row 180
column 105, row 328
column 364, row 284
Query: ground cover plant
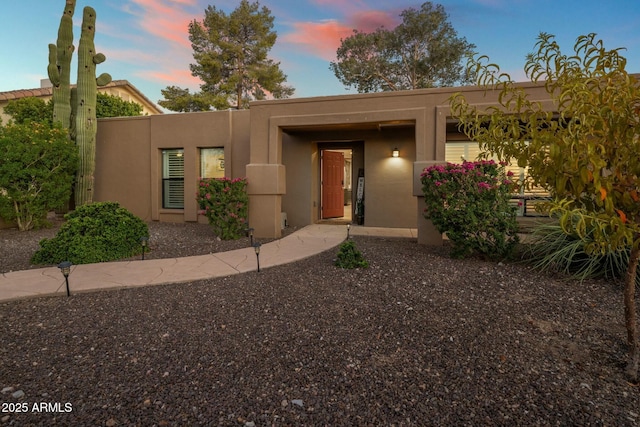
column 97, row 232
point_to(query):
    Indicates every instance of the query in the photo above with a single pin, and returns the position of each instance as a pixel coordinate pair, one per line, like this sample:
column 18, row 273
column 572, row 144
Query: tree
column 423, row 51
column 37, row 165
column 36, row 110
column 231, row 59
column 114, row 106
column 586, row 153
column 30, row 108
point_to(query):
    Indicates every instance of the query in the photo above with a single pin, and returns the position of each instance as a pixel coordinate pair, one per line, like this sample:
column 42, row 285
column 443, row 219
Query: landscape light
column 65, row 268
column 395, row 152
column 256, row 247
column 144, row 241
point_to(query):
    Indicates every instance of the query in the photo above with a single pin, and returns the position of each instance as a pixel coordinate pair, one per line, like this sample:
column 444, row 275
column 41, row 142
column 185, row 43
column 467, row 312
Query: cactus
column 59, row 68
column 85, row 108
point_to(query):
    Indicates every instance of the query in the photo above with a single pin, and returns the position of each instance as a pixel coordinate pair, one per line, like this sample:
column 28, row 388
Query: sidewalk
column 301, row 244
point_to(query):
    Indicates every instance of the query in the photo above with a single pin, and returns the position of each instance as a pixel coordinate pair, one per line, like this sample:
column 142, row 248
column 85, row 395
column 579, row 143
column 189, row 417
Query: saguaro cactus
column 85, row 107
column 59, row 68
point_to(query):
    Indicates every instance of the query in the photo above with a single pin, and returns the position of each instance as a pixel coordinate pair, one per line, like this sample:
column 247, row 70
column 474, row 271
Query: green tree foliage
column 586, row 153
column 30, row 109
column 37, row 165
column 37, row 110
column 423, row 51
column 230, row 52
column 95, row 232
column 114, row 106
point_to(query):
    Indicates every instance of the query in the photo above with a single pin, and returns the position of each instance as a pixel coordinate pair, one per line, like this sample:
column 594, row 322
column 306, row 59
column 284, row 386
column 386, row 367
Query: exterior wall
column 354, row 117
column 129, row 157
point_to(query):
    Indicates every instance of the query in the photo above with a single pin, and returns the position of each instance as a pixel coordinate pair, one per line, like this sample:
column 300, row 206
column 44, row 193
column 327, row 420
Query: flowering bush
column 224, row 202
column 470, row 203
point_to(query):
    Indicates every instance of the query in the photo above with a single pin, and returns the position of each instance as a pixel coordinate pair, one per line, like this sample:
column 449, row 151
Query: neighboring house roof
column 41, row 92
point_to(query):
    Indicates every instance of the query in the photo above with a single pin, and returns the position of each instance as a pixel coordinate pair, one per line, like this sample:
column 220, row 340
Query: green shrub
column 96, row 232
column 553, row 249
column 350, row 257
column 37, row 166
column 224, row 202
column 470, row 203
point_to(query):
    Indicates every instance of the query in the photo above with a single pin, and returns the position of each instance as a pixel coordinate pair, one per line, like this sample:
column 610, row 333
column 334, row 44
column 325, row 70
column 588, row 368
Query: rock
column 17, row 394
column 298, row 402
column 7, row 390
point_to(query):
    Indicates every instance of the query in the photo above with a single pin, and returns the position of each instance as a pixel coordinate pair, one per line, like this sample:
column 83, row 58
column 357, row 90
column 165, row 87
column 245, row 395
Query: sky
column 146, row 41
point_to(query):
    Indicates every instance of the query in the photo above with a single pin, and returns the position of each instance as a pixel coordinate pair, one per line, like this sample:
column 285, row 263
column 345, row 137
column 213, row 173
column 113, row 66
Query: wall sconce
column 65, row 269
column 256, row 247
column 144, row 241
column 395, row 152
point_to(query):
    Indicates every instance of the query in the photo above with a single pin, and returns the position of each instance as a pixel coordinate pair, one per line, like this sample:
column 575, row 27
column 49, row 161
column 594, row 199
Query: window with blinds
column 173, row 179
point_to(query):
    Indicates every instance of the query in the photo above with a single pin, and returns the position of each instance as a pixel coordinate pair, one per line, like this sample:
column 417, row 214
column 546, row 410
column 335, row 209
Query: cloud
column 324, row 37
column 166, row 19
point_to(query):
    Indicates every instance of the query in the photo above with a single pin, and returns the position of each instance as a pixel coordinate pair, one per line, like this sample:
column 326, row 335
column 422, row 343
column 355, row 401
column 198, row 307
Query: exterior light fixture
column 348, row 230
column 144, row 241
column 65, row 269
column 256, row 247
column 395, row 152
column 250, row 234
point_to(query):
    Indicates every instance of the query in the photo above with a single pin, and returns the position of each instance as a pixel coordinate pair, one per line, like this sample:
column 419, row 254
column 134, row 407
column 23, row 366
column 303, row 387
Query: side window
column 173, row 179
column 212, row 162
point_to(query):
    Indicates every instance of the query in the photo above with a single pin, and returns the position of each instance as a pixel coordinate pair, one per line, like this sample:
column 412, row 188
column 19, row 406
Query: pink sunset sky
column 146, row 41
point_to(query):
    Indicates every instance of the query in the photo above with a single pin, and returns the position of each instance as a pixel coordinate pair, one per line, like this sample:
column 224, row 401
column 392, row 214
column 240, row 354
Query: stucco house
column 306, row 160
column 120, row 88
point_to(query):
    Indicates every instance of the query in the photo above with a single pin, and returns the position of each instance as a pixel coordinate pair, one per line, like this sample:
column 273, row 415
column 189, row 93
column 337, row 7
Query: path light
column 348, row 230
column 250, row 234
column 144, row 241
column 65, row 268
column 257, row 249
column 395, row 152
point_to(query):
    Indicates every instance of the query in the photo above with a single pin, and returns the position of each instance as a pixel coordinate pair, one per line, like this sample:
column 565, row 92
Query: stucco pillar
column 427, row 232
column 266, row 185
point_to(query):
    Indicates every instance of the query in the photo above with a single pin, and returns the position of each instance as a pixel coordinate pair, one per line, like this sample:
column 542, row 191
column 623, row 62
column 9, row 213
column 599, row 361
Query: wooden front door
column 332, row 182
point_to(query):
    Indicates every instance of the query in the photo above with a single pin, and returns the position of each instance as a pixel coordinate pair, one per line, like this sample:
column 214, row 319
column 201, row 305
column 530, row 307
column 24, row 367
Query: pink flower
column 208, row 196
column 509, row 173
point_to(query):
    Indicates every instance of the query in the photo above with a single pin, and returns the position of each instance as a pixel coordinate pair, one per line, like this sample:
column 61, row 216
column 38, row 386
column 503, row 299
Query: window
column 212, row 162
column 173, row 179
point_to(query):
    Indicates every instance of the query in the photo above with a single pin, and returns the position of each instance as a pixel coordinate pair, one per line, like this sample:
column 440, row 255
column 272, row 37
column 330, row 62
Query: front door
column 332, row 184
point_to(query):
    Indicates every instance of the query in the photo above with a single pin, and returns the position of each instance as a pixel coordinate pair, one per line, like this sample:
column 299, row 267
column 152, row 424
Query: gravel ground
column 415, row 339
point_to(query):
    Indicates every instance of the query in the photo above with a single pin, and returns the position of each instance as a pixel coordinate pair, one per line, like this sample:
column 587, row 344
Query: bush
column 470, row 203
column 224, row 202
column 350, row 257
column 95, row 232
column 554, row 249
column 37, row 166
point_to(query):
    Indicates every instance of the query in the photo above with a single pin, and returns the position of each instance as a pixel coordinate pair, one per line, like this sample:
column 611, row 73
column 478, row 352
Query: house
column 306, row 160
column 120, row 88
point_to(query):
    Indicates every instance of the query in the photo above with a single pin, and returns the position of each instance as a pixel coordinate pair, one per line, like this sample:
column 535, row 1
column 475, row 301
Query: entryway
column 336, row 185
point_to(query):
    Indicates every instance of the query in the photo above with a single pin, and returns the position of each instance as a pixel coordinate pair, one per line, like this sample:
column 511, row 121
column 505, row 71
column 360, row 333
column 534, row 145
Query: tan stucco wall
column 393, row 193
column 129, row 156
column 277, row 146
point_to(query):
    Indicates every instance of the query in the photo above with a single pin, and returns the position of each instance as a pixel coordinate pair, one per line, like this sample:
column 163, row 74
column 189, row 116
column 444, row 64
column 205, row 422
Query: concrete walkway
column 301, row 244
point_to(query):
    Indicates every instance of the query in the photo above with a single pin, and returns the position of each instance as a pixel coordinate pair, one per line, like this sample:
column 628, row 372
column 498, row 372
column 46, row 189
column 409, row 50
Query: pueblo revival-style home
column 352, row 157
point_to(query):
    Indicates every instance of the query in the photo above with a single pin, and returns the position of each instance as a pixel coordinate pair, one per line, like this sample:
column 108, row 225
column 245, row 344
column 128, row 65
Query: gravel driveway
column 416, row 339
